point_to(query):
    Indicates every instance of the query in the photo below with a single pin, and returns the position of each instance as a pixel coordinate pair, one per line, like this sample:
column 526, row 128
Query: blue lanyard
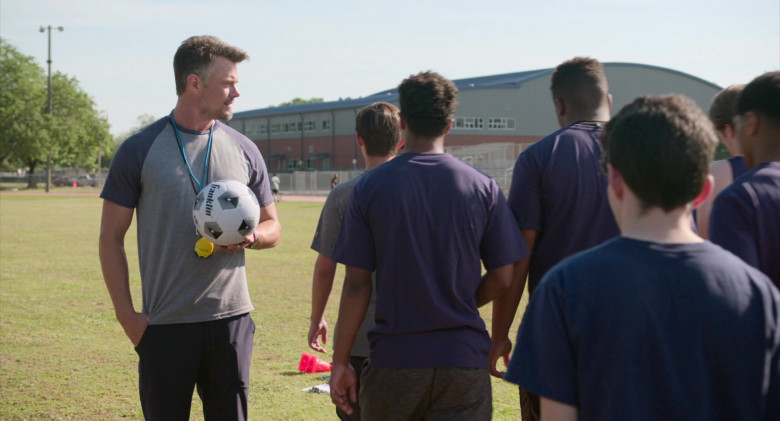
column 184, row 155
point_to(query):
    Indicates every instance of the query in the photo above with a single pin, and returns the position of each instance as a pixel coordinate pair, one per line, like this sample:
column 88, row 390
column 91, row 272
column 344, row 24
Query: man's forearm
column 113, row 262
column 494, row 284
column 355, row 297
column 505, row 305
column 268, row 234
column 321, row 286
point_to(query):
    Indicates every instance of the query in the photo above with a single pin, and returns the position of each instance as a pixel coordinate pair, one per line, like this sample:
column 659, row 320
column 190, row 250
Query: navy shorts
column 214, row 356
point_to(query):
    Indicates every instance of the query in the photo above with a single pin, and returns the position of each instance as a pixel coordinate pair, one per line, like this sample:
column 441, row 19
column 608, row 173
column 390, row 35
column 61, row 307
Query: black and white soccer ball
column 225, row 212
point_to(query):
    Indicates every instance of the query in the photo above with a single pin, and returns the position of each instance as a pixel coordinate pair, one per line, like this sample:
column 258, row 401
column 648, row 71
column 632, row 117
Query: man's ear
column 706, row 191
column 560, row 108
column 194, row 82
column 751, row 122
column 449, row 127
column 616, row 182
column 609, row 100
column 360, row 141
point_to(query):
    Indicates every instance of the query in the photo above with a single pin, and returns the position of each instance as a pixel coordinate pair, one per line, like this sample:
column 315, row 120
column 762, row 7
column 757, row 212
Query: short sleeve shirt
column 745, row 219
column 426, row 223
column 559, row 190
column 646, row 331
column 325, row 241
column 149, row 173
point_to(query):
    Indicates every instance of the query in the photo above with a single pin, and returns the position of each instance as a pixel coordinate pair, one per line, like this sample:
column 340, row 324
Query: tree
column 22, row 106
column 297, row 101
column 71, row 135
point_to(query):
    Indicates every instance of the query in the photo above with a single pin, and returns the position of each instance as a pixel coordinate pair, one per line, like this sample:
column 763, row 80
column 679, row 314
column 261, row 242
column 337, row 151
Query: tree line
column 72, row 136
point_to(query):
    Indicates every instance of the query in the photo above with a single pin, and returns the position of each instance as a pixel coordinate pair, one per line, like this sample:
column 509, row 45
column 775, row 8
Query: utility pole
column 48, row 107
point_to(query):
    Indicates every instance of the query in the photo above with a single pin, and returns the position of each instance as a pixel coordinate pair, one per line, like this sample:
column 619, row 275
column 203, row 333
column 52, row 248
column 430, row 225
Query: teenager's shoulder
column 767, row 174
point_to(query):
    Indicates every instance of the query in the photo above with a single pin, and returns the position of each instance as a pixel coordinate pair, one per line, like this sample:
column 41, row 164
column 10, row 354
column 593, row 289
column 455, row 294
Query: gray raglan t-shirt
column 325, row 241
column 148, row 173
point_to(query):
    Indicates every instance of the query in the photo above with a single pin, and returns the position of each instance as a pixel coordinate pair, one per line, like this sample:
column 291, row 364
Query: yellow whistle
column 204, row 248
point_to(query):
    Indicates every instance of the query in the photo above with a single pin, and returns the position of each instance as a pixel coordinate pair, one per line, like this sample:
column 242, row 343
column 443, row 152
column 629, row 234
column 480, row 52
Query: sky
column 121, row 51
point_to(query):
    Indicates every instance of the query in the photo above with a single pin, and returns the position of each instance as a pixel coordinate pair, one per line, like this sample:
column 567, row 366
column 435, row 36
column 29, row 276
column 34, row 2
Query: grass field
column 63, row 355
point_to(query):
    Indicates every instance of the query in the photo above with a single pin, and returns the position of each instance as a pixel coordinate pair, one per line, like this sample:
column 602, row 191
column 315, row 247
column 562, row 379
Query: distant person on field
column 334, row 181
column 558, row 194
column 194, row 330
column 379, row 137
column 746, row 215
column 656, row 324
column 275, row 188
column 722, row 112
column 426, row 223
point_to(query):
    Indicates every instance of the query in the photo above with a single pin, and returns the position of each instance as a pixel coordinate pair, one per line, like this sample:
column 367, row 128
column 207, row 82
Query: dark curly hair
column 428, row 101
column 196, row 56
column 762, row 96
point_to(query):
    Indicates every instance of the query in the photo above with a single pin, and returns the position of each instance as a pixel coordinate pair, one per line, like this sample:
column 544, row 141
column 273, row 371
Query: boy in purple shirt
column 746, row 216
column 558, row 194
column 725, row 171
column 656, row 324
column 425, row 222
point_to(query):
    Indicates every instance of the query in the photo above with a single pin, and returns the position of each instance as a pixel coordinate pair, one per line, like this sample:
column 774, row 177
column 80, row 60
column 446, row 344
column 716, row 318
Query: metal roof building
column 514, row 108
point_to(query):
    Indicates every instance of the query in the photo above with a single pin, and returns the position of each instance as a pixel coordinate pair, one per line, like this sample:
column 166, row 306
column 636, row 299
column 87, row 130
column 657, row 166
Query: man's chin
column 225, row 115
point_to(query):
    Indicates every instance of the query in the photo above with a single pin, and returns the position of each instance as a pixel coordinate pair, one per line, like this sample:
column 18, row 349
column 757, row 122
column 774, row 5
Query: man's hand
column 500, row 349
column 135, row 325
column 318, row 330
column 343, row 388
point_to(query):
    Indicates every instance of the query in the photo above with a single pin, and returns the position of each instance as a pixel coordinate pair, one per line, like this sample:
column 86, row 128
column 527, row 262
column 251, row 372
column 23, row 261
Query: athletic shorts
column 430, row 394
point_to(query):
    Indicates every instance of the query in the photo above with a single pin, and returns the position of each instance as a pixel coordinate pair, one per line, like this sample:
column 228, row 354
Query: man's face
column 219, row 90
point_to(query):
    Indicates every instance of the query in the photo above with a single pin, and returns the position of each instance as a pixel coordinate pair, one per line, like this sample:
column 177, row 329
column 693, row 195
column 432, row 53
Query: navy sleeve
column 502, row 242
column 123, row 182
column 525, row 193
column 732, row 225
column 544, row 360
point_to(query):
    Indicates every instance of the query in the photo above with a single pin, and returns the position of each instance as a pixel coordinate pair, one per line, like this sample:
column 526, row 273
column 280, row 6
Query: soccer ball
column 225, row 212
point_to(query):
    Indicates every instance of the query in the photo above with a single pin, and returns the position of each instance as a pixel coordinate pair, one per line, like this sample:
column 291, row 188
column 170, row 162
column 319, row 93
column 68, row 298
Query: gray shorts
column 431, row 394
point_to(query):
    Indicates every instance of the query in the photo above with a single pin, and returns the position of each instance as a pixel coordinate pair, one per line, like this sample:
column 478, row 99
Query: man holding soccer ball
column 194, row 328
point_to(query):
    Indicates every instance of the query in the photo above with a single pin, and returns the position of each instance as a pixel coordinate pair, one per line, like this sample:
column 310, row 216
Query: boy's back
column 656, row 331
column 438, row 216
column 656, row 324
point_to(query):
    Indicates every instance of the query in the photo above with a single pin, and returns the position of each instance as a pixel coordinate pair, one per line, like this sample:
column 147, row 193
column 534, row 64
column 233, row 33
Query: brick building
column 508, row 108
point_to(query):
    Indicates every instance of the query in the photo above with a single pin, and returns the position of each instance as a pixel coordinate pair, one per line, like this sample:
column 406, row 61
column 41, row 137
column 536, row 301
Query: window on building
column 325, row 124
column 308, row 126
column 501, row 123
column 275, row 128
column 469, row 123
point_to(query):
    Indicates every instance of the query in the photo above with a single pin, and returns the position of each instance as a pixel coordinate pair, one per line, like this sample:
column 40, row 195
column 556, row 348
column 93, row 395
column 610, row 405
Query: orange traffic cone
column 312, row 364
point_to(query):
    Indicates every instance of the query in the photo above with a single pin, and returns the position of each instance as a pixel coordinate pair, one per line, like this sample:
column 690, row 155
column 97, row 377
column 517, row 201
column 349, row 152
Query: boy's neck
column 655, row 225
column 419, row 144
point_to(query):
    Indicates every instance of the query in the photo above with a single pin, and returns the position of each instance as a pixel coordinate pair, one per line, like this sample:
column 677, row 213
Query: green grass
column 64, row 356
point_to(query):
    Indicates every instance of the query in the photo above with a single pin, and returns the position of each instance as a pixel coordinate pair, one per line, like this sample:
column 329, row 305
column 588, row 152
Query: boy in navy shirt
column 746, row 216
column 426, row 223
column 558, row 194
column 657, row 323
